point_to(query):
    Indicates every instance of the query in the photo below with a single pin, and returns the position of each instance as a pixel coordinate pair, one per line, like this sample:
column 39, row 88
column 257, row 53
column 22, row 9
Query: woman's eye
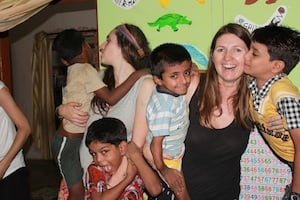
column 219, row 50
column 238, row 50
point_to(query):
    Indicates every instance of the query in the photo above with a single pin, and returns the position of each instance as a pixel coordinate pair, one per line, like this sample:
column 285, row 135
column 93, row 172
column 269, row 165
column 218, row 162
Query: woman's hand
column 71, row 112
column 276, row 123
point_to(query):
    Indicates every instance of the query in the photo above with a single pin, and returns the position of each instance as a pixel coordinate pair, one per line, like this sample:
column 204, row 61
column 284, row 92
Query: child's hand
column 174, row 179
column 133, row 150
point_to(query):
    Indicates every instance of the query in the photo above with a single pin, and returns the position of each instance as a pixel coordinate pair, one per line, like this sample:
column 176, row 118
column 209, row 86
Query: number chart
column 263, row 175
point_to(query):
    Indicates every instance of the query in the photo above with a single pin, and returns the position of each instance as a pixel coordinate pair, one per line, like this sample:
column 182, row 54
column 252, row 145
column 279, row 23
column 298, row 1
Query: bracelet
column 294, row 196
column 57, row 114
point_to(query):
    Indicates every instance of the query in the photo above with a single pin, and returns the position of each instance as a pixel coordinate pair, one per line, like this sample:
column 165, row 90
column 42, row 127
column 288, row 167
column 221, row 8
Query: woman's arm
column 140, row 127
column 148, row 175
column 295, row 133
column 276, row 123
column 115, row 192
column 195, row 79
column 23, row 128
column 173, row 177
column 71, row 112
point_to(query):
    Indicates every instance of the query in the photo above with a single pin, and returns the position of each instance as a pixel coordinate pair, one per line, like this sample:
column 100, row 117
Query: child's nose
column 99, row 159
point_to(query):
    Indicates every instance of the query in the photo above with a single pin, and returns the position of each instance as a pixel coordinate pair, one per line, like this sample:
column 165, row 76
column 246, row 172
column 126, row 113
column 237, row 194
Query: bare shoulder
column 147, row 83
column 145, row 90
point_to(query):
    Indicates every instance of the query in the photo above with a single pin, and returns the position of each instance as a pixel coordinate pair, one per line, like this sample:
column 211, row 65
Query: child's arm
column 295, row 133
column 173, row 177
column 116, row 191
column 23, row 128
column 148, row 175
column 114, row 95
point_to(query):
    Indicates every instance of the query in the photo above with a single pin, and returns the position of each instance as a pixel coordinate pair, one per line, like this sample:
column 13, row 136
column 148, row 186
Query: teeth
column 229, row 66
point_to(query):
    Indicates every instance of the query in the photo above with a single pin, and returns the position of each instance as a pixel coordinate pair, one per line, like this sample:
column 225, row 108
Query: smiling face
column 107, row 155
column 175, row 78
column 228, row 58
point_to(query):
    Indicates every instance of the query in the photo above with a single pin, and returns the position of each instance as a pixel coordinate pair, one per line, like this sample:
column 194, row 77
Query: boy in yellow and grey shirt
column 275, row 51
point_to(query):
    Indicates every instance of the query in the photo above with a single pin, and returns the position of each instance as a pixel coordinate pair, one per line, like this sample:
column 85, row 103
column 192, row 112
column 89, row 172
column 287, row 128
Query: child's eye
column 104, row 152
column 92, row 153
column 187, row 73
column 173, row 76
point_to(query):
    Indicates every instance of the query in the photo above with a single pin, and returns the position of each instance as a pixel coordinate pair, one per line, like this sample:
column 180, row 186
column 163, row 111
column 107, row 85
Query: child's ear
column 278, row 66
column 123, row 147
column 157, row 80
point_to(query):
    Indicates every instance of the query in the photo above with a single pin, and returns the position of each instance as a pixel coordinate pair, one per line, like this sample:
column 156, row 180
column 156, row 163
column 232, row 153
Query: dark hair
column 106, row 130
column 210, row 98
column 131, row 54
column 167, row 54
column 68, row 44
column 283, row 43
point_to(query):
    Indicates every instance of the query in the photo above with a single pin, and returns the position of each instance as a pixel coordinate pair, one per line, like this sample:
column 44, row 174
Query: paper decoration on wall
column 165, row 3
column 276, row 18
column 126, row 4
column 249, row 2
column 198, row 56
column 170, row 19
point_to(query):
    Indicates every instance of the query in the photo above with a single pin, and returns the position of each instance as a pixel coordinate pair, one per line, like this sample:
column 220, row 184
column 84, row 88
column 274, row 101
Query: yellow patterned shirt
column 269, row 106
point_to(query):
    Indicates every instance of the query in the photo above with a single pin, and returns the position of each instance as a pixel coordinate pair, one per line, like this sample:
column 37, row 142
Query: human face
column 110, row 50
column 107, row 155
column 228, row 57
column 258, row 63
column 176, row 78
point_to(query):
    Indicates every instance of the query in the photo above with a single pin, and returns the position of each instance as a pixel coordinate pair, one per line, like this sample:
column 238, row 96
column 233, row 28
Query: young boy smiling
column 167, row 114
column 112, row 155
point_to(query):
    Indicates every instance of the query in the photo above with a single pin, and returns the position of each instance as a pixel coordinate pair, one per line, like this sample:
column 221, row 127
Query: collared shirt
column 167, row 115
column 288, row 107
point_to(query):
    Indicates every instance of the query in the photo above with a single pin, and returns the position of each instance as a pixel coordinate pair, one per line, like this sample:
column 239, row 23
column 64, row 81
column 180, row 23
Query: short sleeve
column 93, row 80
